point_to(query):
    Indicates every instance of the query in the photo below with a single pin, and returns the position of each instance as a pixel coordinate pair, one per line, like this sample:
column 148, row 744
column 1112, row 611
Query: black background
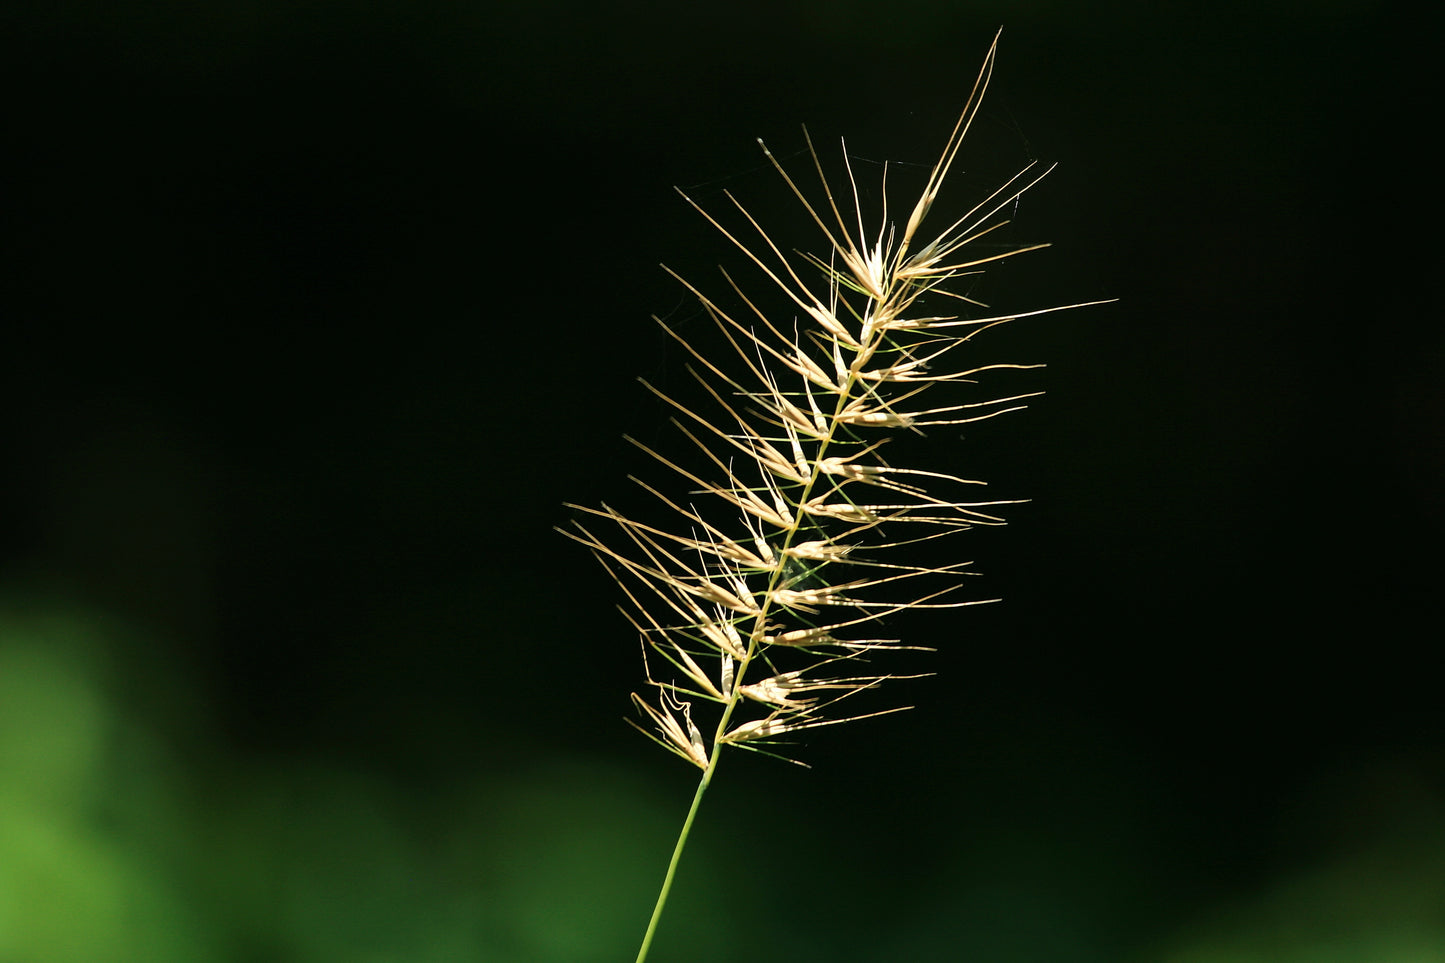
column 315, row 313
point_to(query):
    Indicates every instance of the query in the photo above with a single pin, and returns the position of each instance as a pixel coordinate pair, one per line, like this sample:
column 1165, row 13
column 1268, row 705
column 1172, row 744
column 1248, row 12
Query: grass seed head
column 804, row 390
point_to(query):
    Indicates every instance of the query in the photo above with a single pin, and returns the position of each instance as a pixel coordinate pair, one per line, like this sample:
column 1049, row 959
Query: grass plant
column 761, row 597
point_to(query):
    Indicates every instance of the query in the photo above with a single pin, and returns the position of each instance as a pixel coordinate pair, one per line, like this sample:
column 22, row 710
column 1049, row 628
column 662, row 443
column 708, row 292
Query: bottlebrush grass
column 757, row 607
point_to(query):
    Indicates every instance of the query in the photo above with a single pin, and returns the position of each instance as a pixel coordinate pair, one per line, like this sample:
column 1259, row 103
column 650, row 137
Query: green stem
column 677, row 852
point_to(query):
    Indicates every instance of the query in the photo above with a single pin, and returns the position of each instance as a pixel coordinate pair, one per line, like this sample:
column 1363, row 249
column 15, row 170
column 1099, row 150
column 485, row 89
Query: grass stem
column 677, row 855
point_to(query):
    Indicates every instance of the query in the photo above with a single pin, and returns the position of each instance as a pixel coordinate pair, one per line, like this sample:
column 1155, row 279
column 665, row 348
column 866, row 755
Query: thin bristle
column 792, row 538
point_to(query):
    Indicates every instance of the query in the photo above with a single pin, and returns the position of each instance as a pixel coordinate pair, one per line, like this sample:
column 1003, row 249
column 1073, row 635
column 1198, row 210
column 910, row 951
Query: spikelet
column 762, row 599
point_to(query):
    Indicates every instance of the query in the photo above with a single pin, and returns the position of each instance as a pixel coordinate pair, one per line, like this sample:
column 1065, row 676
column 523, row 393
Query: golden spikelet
column 786, row 559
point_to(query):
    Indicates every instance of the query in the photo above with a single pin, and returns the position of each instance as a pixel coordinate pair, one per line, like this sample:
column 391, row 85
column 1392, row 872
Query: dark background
column 315, row 313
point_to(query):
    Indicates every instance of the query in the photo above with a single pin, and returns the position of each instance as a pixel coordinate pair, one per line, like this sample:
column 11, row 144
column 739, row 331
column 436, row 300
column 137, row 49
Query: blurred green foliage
column 73, row 886
column 114, row 847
